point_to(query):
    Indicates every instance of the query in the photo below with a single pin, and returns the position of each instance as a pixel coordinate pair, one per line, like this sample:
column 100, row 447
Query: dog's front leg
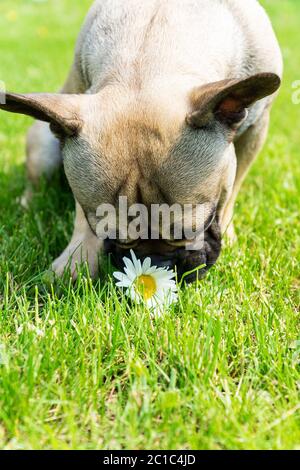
column 84, row 247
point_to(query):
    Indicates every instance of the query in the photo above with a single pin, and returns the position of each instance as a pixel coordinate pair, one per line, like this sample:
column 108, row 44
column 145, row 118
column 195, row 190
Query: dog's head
column 152, row 152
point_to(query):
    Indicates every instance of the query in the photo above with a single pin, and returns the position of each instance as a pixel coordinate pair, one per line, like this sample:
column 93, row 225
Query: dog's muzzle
column 180, row 260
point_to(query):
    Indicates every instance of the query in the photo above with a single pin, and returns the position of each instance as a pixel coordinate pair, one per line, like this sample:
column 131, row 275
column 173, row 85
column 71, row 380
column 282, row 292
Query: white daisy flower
column 147, row 284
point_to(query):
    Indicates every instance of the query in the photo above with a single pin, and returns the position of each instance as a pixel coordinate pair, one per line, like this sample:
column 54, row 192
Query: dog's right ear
column 228, row 100
column 62, row 111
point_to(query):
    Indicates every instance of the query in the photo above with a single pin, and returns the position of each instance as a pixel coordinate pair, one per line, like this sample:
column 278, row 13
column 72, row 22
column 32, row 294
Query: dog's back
column 153, row 43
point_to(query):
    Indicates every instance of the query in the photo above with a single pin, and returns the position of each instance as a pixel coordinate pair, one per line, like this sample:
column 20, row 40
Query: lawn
column 81, row 369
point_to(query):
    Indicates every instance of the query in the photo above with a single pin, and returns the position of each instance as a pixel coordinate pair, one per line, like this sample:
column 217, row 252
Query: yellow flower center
column 146, row 286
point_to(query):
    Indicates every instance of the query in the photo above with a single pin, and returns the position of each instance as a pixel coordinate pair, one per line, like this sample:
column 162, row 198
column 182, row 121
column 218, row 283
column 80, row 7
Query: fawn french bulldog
column 167, row 101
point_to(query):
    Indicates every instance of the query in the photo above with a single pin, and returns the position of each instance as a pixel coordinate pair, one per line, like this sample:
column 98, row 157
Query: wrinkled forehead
column 195, row 165
column 145, row 160
column 118, row 154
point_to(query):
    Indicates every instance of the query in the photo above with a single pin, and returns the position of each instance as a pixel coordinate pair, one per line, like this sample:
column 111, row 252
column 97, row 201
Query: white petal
column 120, row 276
column 163, row 283
column 157, row 308
column 146, row 265
column 136, row 263
column 125, row 284
column 160, row 298
column 167, row 297
column 131, row 274
column 151, row 270
column 163, row 274
column 134, row 295
column 166, row 287
column 129, row 264
column 153, row 302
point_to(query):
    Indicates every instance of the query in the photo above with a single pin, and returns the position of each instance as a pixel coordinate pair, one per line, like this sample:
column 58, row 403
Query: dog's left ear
column 228, row 100
column 62, row 111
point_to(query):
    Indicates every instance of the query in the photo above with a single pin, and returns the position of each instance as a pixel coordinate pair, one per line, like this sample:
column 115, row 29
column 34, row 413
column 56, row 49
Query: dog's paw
column 74, row 259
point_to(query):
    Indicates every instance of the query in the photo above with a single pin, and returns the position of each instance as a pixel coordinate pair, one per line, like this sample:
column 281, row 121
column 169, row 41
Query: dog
column 167, row 101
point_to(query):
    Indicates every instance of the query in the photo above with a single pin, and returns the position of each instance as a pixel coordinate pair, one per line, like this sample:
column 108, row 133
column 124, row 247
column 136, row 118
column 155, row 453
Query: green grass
column 82, row 369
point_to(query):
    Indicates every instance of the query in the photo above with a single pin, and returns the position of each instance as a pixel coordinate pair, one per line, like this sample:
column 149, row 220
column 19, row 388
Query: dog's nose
column 180, row 260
